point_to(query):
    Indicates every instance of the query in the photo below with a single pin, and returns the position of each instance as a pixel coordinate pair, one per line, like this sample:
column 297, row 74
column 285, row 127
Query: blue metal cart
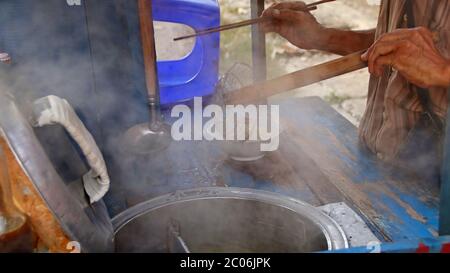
column 102, row 75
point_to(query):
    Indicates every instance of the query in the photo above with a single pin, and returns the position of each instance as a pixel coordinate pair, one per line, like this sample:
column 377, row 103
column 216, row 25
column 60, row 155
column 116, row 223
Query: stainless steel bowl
column 217, row 220
column 243, row 150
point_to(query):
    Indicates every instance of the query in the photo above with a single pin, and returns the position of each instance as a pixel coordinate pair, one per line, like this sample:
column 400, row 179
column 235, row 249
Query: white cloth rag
column 54, row 110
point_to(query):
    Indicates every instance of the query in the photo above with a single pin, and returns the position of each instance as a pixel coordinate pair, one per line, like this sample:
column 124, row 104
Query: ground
column 347, row 93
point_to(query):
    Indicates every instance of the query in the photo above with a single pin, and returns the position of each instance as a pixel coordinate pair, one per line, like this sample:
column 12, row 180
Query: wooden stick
column 149, row 53
column 319, row 3
column 228, row 27
column 148, row 44
column 310, row 7
column 301, row 78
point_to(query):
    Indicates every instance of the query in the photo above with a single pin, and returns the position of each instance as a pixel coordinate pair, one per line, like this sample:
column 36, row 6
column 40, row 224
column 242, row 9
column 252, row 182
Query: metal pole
column 444, row 219
column 258, row 44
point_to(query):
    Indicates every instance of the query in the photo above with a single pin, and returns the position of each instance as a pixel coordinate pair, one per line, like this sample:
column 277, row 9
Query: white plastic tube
column 54, row 110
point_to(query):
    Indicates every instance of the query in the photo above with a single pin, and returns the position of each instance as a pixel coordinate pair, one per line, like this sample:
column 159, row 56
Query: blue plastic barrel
column 196, row 74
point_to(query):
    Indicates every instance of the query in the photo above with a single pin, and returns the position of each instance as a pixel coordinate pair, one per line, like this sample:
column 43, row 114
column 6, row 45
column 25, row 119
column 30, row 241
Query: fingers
column 381, row 49
column 411, row 52
column 428, row 36
column 387, row 44
column 417, row 34
column 270, row 26
column 282, row 13
column 381, row 62
column 385, row 53
column 420, row 36
column 297, row 5
column 385, row 39
column 288, row 15
column 268, row 12
column 274, row 9
column 393, row 54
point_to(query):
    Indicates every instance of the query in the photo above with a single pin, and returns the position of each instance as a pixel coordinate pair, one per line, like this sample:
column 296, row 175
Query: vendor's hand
column 292, row 21
column 413, row 53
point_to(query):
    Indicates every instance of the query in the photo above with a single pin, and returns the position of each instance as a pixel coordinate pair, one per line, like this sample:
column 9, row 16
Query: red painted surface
column 445, row 248
column 423, row 248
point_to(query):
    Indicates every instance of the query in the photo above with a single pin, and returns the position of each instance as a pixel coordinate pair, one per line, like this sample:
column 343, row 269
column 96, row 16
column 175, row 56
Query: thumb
column 365, row 56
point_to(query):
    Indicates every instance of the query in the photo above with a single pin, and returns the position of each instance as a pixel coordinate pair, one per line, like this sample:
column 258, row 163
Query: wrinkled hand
column 413, row 53
column 293, row 22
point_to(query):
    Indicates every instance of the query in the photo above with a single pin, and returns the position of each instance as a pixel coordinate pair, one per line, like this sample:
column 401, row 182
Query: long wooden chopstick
column 301, row 78
column 309, row 7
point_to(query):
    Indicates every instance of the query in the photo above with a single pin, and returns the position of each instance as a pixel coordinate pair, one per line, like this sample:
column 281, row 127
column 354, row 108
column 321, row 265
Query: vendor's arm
column 303, row 30
column 414, row 54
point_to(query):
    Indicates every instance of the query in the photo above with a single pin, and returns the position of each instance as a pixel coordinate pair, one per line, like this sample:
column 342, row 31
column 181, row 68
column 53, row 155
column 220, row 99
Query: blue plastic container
column 197, row 74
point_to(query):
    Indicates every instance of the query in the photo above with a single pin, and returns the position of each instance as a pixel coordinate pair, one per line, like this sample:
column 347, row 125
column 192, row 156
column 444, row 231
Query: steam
column 91, row 56
column 85, row 54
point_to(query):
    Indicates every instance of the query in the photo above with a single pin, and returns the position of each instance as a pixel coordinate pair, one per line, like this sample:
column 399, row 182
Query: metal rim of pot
column 335, row 236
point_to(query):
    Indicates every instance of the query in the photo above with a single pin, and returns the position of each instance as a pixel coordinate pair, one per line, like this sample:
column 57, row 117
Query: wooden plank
column 308, row 171
column 286, row 173
column 396, row 205
column 301, row 78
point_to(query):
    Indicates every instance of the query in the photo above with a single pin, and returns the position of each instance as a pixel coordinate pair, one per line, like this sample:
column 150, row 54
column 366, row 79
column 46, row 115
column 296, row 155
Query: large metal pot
column 226, row 220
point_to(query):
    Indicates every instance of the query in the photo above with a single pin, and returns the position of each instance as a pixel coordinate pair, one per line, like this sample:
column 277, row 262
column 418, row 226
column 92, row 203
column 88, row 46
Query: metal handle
column 149, row 51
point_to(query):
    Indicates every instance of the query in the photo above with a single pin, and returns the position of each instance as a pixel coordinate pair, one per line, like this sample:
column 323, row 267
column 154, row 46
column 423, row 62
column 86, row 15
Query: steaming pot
column 207, row 220
column 227, row 220
column 211, row 219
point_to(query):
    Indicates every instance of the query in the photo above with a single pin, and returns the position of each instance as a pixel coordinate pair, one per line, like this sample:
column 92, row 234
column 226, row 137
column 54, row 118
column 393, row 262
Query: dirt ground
column 346, row 93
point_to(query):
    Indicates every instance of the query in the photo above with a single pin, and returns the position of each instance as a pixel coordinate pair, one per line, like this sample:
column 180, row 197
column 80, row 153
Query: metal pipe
column 258, row 44
column 444, row 214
